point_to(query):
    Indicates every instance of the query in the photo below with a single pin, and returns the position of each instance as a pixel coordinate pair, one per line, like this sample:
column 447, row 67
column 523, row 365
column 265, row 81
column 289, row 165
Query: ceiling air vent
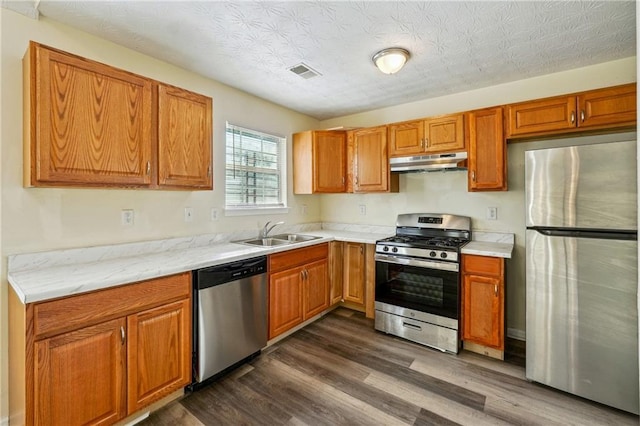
column 304, row 71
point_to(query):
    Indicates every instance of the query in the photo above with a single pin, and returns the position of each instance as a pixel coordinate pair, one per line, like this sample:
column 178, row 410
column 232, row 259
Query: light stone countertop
column 39, row 282
column 43, row 276
column 485, row 248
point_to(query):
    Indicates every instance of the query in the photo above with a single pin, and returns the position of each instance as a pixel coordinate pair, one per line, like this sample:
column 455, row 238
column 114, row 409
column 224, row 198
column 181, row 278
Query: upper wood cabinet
column 368, row 156
column 487, row 161
column 432, row 135
column 319, row 162
column 596, row 109
column 88, row 124
column 184, row 139
column 483, row 304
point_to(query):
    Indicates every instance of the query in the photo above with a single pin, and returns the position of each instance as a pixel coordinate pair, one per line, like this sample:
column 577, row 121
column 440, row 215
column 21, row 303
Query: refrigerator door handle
column 627, row 235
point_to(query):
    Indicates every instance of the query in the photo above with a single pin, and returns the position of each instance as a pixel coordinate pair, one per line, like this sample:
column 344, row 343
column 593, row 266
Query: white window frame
column 257, row 209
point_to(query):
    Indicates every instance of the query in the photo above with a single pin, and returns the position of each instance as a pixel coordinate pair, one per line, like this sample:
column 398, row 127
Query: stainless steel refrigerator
column 582, row 271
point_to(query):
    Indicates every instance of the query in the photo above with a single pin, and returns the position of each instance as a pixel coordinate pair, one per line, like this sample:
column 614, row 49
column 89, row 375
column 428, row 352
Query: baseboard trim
column 517, row 334
column 4, row 421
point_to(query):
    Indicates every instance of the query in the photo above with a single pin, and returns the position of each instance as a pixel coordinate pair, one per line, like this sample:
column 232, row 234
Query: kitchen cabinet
column 487, row 155
column 319, row 162
column 483, row 304
column 613, row 107
column 88, row 124
column 427, row 136
column 298, row 287
column 184, row 139
column 369, row 160
column 336, row 269
column 137, row 338
column 358, row 277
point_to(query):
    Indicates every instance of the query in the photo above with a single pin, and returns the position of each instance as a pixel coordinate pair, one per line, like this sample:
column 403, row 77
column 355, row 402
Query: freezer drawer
column 582, row 318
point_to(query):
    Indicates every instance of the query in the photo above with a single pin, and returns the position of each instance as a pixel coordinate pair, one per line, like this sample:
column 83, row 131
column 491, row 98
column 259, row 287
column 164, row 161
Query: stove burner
column 425, row 242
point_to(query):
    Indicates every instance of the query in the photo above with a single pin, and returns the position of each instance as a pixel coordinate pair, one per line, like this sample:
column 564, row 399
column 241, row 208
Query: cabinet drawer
column 61, row 315
column 293, row 258
column 482, row 265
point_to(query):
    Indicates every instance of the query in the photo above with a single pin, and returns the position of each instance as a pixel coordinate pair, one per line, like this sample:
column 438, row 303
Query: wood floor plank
column 376, row 361
column 340, row 371
column 338, row 378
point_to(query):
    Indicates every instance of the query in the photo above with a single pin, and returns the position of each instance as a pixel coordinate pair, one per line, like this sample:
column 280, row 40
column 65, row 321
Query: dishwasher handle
column 229, row 272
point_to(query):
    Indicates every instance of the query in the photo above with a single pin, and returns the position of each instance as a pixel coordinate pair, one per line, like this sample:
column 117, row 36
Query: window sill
column 255, row 211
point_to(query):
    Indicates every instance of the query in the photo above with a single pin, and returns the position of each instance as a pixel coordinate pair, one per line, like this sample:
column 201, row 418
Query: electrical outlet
column 303, row 209
column 188, row 214
column 126, row 217
column 363, row 209
column 492, row 213
column 215, row 214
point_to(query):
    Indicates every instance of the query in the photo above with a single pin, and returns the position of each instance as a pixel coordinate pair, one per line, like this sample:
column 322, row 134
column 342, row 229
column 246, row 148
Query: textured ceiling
column 455, row 46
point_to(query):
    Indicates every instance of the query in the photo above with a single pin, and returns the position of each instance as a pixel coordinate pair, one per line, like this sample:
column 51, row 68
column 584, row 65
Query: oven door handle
column 443, row 266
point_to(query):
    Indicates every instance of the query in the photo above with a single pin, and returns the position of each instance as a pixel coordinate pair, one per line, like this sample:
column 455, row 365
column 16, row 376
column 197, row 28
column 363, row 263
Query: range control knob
column 432, row 254
column 443, row 255
column 395, row 249
column 385, row 248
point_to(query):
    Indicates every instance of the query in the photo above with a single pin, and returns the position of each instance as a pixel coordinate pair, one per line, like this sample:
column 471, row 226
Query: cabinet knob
column 573, row 117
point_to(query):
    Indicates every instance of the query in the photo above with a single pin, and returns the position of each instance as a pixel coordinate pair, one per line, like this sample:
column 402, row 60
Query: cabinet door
column 371, row 162
column 487, row 151
column 184, row 139
column 329, row 161
column 547, row 115
column 159, row 353
column 336, row 268
column 80, row 376
column 406, row 138
column 316, row 288
column 444, row 134
column 483, row 311
column 606, row 107
column 354, row 273
column 285, row 300
column 90, row 124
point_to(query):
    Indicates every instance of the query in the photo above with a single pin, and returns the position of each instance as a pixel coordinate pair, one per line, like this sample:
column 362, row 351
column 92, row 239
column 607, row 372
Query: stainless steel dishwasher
column 229, row 315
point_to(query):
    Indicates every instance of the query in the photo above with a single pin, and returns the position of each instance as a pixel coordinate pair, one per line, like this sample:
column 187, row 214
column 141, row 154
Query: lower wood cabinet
column 298, row 287
column 98, row 357
column 353, row 276
column 483, row 304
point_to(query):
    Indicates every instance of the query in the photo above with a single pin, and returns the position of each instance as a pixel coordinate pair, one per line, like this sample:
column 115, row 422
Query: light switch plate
column 492, row 213
column 126, row 217
column 188, row 214
column 363, row 209
column 215, row 214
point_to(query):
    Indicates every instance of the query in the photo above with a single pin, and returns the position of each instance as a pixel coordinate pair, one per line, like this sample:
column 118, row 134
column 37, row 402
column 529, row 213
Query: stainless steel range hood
column 429, row 163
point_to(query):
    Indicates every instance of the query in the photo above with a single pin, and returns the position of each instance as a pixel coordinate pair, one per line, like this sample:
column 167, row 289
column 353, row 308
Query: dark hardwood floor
column 339, row 370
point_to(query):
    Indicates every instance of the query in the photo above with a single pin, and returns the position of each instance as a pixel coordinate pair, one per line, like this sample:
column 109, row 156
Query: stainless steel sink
column 264, row 242
column 294, row 238
column 278, row 240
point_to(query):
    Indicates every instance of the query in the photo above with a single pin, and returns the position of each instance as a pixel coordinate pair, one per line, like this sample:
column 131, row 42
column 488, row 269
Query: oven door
column 420, row 285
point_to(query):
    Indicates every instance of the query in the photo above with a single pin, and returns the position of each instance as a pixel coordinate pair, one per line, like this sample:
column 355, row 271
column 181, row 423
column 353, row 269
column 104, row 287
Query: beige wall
column 42, row 219
column 447, row 192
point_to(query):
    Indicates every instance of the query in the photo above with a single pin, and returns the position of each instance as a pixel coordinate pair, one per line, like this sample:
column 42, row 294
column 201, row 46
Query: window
column 255, row 175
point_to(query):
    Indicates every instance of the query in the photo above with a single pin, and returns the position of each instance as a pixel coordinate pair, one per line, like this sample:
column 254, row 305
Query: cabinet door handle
column 582, row 116
column 148, row 168
column 122, row 335
column 495, row 289
column 343, row 179
column 426, row 142
column 473, row 175
column 209, row 171
column 361, row 250
column 302, row 275
column 422, row 143
column 573, row 117
column 356, row 180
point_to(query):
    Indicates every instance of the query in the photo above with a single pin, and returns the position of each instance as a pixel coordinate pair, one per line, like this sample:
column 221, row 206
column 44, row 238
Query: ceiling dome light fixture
column 391, row 60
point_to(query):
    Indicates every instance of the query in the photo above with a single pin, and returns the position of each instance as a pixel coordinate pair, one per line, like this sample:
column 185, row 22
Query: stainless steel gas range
column 418, row 279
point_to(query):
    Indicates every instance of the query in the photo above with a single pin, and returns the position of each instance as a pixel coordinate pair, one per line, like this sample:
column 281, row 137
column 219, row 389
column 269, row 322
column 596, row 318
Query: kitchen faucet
column 266, row 229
